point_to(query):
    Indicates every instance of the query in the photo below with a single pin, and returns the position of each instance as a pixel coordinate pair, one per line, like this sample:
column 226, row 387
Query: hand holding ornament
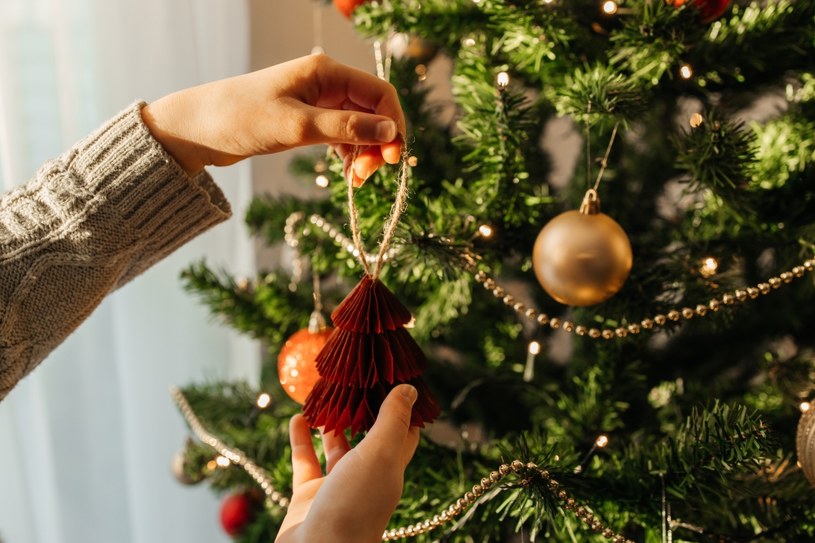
column 353, row 501
column 306, row 101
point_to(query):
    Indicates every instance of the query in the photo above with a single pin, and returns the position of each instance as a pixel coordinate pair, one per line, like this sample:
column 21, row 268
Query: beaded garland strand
column 734, row 297
column 526, row 471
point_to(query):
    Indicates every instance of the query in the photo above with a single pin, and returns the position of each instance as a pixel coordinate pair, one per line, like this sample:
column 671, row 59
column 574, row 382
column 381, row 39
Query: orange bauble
column 347, row 7
column 710, row 10
column 296, row 364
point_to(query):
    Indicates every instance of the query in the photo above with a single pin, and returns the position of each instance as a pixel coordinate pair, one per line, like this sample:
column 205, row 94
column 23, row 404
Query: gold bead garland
column 333, row 233
column 528, row 471
column 236, row 456
column 649, row 323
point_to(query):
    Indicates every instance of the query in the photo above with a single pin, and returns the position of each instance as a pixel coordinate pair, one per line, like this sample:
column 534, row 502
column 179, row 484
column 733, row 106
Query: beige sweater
column 87, row 223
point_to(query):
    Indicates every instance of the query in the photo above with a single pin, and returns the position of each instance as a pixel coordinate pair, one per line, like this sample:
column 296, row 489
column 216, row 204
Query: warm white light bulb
column 222, row 461
column 534, row 347
column 502, row 80
column 485, row 230
column 685, row 71
column 421, row 72
column 610, row 7
column 601, row 441
column 696, row 120
column 321, row 181
column 804, row 407
column 709, row 267
column 264, row 400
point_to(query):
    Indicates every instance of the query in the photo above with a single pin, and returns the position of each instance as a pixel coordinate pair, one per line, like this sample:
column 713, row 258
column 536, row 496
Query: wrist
column 164, row 120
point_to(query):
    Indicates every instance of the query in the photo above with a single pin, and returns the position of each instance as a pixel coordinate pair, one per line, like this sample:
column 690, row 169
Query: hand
column 306, row 101
column 353, row 502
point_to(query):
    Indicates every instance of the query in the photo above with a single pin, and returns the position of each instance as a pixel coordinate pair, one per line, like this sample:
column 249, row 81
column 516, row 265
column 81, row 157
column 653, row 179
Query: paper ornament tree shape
column 368, row 354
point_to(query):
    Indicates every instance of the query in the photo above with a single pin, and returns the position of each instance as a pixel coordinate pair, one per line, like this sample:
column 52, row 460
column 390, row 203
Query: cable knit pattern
column 87, row 223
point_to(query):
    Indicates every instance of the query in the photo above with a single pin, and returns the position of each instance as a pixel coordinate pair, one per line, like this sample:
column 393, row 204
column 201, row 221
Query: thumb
column 347, row 126
column 387, row 438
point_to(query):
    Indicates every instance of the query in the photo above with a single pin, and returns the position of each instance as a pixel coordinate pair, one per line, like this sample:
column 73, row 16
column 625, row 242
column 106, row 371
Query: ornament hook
column 591, row 203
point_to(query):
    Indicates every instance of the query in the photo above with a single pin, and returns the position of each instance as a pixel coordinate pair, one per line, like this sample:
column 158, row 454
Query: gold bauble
column 805, row 444
column 179, row 466
column 582, row 257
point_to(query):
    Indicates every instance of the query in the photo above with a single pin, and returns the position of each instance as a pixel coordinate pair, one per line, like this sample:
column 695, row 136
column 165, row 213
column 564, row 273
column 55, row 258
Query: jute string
column 391, row 222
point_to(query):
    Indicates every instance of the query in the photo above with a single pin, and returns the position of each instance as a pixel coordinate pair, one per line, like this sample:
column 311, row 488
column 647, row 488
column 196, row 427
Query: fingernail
column 410, row 393
column 385, row 131
column 362, row 171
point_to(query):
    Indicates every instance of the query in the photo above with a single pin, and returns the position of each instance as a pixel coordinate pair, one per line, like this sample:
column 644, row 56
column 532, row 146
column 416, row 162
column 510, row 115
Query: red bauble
column 347, row 7
column 368, row 354
column 709, row 9
column 297, row 362
column 237, row 511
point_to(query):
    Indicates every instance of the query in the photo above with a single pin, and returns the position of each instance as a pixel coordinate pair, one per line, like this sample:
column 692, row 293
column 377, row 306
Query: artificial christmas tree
column 669, row 410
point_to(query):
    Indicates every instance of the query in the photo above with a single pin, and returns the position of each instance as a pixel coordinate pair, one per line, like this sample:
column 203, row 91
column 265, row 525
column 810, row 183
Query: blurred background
column 86, row 440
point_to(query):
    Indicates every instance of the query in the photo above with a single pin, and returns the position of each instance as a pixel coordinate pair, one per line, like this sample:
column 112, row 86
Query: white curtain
column 86, row 440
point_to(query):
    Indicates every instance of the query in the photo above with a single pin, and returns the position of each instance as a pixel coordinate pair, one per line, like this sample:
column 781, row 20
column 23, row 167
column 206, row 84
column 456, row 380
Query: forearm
column 88, row 222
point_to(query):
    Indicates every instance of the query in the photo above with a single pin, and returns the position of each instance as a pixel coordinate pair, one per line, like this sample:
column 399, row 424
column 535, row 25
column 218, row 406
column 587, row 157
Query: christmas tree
column 621, row 349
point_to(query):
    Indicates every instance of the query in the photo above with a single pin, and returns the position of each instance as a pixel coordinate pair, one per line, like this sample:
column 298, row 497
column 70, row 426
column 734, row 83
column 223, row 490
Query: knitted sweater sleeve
column 87, row 223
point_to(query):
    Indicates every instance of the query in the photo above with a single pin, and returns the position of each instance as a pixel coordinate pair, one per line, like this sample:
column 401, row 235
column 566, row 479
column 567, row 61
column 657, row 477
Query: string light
column 421, row 71
column 264, row 400
column 599, row 443
column 696, row 120
column 532, row 351
column 212, row 465
column 242, row 284
column 709, row 267
column 610, row 7
column 502, row 80
column 804, row 407
column 413, row 161
column 222, row 461
column 685, row 71
column 321, row 181
column 468, row 41
column 485, row 230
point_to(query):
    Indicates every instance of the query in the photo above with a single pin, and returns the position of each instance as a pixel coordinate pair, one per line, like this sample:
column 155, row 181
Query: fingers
column 340, row 83
column 392, row 152
column 348, row 126
column 304, row 462
column 390, row 437
column 335, row 446
column 409, row 447
column 366, row 163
